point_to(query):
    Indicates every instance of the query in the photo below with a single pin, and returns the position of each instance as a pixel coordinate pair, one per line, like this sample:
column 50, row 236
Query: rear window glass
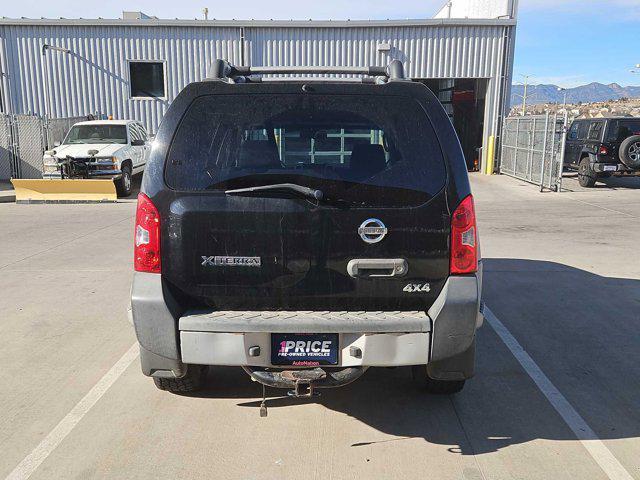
column 621, row 129
column 361, row 149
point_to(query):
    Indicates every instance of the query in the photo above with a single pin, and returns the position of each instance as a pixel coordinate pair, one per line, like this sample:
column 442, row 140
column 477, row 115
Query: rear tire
column 432, row 386
column 191, row 382
column 586, row 176
column 125, row 182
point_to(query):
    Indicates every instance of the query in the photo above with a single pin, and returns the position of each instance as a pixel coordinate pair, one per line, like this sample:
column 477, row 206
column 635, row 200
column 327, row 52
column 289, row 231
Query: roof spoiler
column 223, row 70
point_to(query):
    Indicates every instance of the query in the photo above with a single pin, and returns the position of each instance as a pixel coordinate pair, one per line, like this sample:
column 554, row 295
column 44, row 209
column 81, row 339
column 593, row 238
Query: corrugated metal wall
column 427, row 51
column 94, row 77
column 4, row 76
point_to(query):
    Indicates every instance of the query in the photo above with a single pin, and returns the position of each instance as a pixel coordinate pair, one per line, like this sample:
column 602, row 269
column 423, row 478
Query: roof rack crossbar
column 222, row 69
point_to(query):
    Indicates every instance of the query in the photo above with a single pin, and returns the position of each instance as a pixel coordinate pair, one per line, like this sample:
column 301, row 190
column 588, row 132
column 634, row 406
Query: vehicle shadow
column 587, row 346
column 570, row 183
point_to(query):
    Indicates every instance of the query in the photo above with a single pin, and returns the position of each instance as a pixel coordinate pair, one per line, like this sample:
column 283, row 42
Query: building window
column 147, row 79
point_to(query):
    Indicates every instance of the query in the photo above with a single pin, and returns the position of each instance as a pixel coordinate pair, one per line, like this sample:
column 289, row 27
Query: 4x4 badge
column 417, row 287
column 372, row 230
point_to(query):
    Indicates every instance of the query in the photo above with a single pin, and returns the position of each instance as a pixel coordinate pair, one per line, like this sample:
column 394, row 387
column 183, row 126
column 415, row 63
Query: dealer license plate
column 304, row 349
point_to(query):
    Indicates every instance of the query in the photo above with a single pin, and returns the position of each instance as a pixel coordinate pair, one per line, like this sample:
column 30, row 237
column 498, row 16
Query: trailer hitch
column 302, row 383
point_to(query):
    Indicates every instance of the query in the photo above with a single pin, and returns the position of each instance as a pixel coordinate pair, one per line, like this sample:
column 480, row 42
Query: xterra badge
column 372, row 230
column 230, row 261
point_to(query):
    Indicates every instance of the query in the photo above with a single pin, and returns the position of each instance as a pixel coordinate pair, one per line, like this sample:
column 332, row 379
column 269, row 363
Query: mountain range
column 593, row 92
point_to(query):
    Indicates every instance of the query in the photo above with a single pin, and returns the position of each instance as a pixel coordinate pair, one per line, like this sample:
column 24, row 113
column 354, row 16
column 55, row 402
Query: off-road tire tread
column 191, row 382
column 589, row 178
column 626, row 143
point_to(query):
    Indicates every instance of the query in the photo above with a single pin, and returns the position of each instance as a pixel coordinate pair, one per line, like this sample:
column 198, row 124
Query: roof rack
column 223, row 70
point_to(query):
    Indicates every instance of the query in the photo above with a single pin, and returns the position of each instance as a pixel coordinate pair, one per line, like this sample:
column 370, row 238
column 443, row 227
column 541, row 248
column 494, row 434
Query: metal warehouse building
column 135, row 66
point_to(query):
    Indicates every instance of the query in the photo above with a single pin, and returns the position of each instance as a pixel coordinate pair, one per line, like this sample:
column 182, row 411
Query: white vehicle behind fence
column 110, row 149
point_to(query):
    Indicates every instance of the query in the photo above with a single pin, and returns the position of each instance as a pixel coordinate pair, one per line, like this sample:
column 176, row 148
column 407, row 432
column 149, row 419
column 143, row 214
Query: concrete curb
column 7, row 196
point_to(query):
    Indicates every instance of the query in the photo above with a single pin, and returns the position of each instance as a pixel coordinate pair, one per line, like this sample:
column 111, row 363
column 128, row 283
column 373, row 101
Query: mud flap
column 457, row 367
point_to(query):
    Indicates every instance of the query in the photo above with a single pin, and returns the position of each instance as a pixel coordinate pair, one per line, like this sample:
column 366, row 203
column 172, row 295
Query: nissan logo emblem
column 372, row 230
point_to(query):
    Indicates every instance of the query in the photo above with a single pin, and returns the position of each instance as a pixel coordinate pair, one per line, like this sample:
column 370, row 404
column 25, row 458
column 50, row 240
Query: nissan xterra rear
column 306, row 229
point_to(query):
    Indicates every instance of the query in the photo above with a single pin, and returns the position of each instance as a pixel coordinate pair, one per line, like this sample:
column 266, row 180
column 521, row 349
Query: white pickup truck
column 112, row 149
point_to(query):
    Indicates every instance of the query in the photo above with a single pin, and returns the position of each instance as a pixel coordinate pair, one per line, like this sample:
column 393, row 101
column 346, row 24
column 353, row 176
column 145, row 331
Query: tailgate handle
column 377, row 267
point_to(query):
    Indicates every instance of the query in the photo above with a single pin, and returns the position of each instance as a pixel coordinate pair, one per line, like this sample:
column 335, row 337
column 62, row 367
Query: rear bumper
column 356, row 349
column 613, row 167
column 443, row 338
column 605, row 167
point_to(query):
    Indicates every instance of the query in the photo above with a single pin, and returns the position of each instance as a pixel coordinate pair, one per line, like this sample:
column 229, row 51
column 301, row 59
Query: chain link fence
column 533, row 149
column 57, row 128
column 23, row 140
column 29, row 145
column 6, row 148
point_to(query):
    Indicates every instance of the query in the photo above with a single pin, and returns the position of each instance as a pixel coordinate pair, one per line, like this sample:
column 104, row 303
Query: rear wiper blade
column 292, row 187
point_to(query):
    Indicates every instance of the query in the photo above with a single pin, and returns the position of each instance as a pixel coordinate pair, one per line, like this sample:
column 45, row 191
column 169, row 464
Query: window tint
column 582, row 130
column 147, row 79
column 621, row 129
column 361, row 149
column 133, row 131
column 595, row 130
column 573, row 132
column 143, row 132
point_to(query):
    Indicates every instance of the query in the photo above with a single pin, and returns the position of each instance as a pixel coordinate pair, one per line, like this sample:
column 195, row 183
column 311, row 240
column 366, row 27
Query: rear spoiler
column 223, row 70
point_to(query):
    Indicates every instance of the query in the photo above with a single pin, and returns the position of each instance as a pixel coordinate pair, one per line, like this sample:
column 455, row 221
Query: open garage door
column 464, row 101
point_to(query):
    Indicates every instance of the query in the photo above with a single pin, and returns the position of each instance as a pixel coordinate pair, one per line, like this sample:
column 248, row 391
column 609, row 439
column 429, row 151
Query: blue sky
column 573, row 42
column 566, row 42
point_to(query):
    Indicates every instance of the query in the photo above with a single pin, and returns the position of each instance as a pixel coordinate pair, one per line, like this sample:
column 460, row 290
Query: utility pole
column 524, row 94
column 564, row 101
column 45, row 85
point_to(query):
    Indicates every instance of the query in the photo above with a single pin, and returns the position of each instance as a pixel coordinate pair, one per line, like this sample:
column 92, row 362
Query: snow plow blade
column 64, row 191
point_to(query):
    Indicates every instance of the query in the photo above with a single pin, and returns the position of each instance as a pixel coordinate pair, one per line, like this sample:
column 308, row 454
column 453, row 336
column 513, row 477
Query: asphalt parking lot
column 556, row 396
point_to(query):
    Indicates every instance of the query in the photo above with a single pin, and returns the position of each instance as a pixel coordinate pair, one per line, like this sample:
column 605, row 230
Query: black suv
column 306, row 229
column 602, row 147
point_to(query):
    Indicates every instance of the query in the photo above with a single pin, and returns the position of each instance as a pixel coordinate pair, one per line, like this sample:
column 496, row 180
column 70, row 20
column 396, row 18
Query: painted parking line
column 39, row 454
column 596, row 448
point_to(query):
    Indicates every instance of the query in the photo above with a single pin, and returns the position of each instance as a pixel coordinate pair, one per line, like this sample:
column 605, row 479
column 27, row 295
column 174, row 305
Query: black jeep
column 306, row 229
column 602, row 147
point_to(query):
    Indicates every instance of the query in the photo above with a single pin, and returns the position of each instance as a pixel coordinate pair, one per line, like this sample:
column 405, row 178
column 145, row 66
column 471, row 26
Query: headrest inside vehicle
column 367, row 160
column 259, row 154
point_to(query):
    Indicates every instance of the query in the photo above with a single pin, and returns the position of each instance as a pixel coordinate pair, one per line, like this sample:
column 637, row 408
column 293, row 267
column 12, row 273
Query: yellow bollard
column 489, row 169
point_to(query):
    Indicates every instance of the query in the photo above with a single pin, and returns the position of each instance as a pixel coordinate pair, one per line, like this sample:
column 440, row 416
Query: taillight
column 146, row 251
column 464, row 238
column 603, row 150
